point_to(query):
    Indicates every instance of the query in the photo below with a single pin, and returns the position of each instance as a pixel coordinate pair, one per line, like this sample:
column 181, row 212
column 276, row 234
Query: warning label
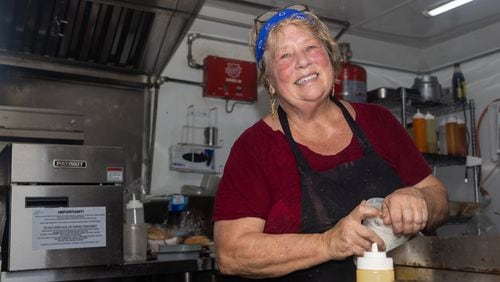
column 68, row 228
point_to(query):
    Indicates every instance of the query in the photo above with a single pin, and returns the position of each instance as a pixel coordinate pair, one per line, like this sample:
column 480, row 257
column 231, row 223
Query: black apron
column 330, row 195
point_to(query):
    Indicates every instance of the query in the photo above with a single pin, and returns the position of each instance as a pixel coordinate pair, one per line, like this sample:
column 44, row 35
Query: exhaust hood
column 115, row 39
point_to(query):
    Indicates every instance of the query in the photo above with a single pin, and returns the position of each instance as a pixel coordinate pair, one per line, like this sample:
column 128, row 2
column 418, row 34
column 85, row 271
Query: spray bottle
column 374, row 266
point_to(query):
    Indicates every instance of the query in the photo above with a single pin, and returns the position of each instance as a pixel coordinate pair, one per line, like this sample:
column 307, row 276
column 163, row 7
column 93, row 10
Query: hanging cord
column 483, row 191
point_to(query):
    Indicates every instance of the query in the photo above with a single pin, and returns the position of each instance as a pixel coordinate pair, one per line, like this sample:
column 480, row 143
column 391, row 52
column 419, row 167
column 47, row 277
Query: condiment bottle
column 451, row 135
column 442, row 138
column 374, row 266
column 430, row 133
column 135, row 212
column 461, row 138
column 458, row 84
column 135, row 232
column 419, row 131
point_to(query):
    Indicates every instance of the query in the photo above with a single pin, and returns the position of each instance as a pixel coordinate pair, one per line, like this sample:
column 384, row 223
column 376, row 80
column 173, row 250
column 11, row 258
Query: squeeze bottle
column 430, row 133
column 374, row 266
column 451, row 136
column 419, row 131
column 135, row 212
column 461, row 137
column 442, row 138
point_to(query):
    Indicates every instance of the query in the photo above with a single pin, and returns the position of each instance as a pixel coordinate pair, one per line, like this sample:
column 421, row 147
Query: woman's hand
column 406, row 210
column 349, row 237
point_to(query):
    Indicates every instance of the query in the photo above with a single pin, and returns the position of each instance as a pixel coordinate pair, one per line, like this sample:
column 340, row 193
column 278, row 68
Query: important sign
column 68, row 228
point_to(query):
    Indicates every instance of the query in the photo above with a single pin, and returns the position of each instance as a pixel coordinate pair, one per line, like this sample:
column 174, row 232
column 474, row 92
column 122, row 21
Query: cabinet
column 404, row 103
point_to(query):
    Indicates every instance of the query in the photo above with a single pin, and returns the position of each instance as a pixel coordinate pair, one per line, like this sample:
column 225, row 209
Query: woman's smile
column 306, row 79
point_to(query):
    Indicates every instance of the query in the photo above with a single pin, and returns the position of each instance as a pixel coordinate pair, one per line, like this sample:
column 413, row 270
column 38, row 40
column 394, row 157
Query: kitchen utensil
column 381, row 93
column 429, row 87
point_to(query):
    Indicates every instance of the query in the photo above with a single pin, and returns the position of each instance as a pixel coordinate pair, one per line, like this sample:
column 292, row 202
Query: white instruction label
column 68, row 228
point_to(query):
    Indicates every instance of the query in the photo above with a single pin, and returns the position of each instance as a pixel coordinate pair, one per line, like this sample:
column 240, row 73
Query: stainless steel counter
column 460, row 258
column 163, row 264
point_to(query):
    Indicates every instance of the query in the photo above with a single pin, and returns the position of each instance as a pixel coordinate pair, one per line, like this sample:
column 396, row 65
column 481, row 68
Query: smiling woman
column 292, row 196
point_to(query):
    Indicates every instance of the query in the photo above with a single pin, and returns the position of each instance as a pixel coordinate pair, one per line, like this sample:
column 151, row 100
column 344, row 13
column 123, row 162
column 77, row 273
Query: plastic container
column 442, row 148
column 135, row 212
column 419, row 131
column 451, row 136
column 375, row 266
column 461, row 138
column 383, row 231
column 135, row 232
column 458, row 84
column 135, row 242
column 430, row 133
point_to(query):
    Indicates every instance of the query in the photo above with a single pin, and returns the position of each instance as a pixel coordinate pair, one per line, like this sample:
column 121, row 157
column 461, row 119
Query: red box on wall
column 230, row 79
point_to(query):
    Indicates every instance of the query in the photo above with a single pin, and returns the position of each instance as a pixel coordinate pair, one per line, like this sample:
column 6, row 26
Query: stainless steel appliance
column 61, row 206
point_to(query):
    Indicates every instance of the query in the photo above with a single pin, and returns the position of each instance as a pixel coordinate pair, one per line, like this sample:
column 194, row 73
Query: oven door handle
column 46, row 202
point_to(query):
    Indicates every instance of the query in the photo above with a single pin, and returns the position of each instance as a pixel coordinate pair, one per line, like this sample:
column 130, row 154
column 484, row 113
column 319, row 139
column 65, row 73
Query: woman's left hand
column 406, row 210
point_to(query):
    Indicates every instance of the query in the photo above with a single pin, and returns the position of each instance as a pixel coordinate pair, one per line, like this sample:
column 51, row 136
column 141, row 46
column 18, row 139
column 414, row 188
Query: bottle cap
column 418, row 114
column 429, row 116
column 134, row 204
column 460, row 121
column 375, row 260
column 451, row 119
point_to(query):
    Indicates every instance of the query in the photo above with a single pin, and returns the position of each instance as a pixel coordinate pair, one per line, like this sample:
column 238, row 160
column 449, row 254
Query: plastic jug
column 451, row 136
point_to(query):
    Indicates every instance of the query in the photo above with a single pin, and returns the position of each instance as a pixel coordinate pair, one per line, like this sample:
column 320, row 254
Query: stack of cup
column 383, row 231
column 135, row 232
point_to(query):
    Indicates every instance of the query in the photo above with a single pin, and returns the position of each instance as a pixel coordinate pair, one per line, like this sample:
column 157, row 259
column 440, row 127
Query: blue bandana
column 260, row 43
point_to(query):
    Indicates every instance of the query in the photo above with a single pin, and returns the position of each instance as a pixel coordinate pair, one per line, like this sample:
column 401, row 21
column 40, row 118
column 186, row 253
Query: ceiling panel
column 396, row 21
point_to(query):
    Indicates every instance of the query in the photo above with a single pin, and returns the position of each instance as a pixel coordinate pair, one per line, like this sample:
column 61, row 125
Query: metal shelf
column 404, row 103
column 443, row 160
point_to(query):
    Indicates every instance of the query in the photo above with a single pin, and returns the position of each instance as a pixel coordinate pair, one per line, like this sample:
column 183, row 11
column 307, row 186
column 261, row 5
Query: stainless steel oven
column 61, row 206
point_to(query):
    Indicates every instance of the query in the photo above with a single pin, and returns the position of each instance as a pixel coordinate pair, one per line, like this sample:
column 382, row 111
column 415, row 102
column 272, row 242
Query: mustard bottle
column 419, row 131
column 374, row 266
column 430, row 133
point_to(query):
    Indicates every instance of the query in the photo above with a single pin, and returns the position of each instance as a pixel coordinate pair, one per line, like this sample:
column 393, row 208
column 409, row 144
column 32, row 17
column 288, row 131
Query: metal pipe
column 193, row 36
column 183, row 81
column 145, row 165
column 152, row 136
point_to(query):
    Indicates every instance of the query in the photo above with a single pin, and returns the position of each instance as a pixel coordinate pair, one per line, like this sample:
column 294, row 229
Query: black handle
column 46, row 202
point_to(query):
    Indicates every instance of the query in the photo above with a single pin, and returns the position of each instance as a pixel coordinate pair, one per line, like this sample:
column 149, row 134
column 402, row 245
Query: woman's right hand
column 349, row 237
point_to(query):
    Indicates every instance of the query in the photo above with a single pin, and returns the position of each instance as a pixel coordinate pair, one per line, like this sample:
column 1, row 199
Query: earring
column 272, row 101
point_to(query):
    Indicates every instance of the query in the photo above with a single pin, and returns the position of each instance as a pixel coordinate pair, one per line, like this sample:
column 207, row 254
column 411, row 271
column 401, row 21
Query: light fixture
column 445, row 7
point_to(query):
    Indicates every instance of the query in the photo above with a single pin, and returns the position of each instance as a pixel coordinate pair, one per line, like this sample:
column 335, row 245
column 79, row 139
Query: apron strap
column 301, row 161
column 356, row 130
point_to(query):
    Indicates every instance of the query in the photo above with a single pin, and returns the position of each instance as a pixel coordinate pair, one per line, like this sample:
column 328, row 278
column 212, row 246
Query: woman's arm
column 243, row 249
column 419, row 207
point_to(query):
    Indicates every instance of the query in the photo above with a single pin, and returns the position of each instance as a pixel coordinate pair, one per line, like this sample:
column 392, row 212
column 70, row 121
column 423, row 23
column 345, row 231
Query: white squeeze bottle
column 135, row 212
column 374, row 266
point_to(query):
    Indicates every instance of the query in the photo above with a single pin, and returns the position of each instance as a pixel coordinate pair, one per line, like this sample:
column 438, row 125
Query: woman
column 291, row 200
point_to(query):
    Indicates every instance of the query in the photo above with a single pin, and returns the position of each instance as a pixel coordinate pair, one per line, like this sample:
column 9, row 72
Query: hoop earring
column 272, row 102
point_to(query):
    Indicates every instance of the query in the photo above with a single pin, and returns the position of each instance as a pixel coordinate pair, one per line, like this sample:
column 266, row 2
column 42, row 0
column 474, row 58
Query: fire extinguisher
column 351, row 80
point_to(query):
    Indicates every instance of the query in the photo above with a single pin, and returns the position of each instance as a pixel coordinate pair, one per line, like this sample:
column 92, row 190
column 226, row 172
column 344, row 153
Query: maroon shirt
column 261, row 177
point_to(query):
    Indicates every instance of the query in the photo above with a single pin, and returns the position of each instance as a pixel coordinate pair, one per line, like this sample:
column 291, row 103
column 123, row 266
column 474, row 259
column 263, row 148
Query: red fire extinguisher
column 351, row 80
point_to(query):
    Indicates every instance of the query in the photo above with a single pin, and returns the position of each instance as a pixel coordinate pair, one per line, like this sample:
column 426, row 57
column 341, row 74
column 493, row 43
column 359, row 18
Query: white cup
column 383, row 231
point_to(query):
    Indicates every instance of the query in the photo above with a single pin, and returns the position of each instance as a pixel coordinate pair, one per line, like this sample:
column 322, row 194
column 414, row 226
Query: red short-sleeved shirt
column 261, row 178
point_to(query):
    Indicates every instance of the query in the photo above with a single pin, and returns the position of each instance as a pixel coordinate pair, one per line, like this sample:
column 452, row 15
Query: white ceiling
column 398, row 21
column 470, row 30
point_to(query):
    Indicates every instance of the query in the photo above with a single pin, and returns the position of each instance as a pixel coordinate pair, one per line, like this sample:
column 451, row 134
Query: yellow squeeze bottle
column 374, row 266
